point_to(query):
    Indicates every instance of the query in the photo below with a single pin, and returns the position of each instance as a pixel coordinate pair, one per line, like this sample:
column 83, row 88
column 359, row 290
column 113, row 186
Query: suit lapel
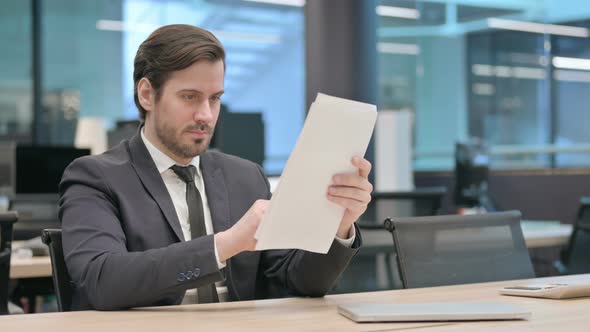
column 217, row 194
column 218, row 198
column 152, row 180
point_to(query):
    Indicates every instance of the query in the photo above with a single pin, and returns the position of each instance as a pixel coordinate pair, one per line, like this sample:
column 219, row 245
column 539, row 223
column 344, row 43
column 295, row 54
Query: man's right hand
column 240, row 237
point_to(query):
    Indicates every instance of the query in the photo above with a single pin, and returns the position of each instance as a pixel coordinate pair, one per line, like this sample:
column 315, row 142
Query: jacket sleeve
column 96, row 255
column 304, row 273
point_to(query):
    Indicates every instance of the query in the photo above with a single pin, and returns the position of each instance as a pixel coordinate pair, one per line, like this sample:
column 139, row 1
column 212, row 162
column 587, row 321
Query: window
column 89, row 47
column 488, row 69
column 16, row 114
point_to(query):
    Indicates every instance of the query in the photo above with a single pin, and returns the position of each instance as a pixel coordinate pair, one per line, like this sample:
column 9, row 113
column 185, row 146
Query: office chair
column 7, row 219
column 471, row 175
column 575, row 258
column 450, row 250
column 373, row 268
column 61, row 278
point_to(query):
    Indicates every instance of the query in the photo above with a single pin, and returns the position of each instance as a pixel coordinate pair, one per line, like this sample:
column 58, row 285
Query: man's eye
column 188, row 97
column 216, row 98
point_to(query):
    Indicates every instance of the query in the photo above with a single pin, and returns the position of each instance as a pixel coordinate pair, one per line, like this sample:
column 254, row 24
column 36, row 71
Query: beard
column 173, row 140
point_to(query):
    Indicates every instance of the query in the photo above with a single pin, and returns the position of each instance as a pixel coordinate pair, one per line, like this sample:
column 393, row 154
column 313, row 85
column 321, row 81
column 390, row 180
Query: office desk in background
column 28, row 267
column 541, row 234
column 317, row 314
column 31, row 267
column 536, row 234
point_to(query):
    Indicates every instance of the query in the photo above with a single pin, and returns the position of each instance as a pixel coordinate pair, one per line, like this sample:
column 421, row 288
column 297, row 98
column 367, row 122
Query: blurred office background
column 513, row 75
column 512, row 72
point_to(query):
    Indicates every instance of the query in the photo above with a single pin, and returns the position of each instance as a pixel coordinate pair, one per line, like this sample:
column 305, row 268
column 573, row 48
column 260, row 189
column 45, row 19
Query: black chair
column 576, row 258
column 362, row 272
column 36, row 213
column 7, row 219
column 449, row 250
column 61, row 278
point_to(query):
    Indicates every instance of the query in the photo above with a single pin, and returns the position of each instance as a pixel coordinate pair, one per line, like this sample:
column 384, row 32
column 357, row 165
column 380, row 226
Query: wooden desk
column 316, row 314
column 33, row 267
column 537, row 234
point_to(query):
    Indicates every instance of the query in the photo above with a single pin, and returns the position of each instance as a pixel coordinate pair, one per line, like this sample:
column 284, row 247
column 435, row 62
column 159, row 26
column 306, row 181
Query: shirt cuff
column 351, row 236
column 220, row 264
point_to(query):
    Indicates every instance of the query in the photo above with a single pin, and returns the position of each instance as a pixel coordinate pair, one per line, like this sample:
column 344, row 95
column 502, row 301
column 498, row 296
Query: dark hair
column 172, row 48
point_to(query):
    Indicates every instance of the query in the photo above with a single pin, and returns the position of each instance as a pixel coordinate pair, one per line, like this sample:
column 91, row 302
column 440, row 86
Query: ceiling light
column 571, row 63
column 292, row 3
column 400, row 12
column 398, row 48
column 553, row 29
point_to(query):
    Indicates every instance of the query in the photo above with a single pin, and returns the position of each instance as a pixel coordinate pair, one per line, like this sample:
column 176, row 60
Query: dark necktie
column 196, row 218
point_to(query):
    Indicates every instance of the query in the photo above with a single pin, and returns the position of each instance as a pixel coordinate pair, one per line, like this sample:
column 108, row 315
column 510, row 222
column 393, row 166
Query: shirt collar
column 163, row 161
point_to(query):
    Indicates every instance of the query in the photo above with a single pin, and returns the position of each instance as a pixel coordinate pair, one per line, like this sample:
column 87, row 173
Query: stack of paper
column 300, row 216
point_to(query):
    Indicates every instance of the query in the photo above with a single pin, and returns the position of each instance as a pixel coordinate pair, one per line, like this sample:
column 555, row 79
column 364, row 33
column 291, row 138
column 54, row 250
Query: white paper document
column 300, row 216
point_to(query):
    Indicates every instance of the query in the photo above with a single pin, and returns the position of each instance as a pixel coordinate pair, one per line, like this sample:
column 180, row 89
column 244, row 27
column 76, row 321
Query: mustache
column 200, row 127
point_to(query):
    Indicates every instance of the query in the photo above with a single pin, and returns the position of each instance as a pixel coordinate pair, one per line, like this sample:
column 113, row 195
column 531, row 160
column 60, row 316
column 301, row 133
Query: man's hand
column 240, row 237
column 352, row 192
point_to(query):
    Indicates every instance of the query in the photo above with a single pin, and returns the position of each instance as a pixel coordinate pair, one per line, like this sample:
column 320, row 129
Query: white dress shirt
column 177, row 190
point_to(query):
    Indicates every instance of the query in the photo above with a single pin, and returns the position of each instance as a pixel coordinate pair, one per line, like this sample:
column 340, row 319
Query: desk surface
column 317, row 314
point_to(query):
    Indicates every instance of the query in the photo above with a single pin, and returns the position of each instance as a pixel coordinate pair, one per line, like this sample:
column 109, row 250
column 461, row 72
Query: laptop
column 439, row 311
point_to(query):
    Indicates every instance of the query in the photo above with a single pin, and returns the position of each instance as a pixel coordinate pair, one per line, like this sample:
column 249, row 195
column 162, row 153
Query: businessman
column 160, row 220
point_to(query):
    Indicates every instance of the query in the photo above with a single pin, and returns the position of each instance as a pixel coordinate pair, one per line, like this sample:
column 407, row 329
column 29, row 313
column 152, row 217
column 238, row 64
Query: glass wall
column 264, row 45
column 513, row 73
column 16, row 114
column 89, row 47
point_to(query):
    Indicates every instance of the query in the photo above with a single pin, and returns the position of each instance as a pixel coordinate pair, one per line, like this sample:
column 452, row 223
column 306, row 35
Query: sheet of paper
column 300, row 216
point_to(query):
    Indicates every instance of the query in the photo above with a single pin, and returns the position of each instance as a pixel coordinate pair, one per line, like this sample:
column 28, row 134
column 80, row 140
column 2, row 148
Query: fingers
column 259, row 207
column 363, row 165
column 352, row 205
column 352, row 180
column 351, row 193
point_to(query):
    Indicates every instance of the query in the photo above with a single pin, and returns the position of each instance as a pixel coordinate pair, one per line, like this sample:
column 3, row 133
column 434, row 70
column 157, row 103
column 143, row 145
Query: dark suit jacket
column 124, row 247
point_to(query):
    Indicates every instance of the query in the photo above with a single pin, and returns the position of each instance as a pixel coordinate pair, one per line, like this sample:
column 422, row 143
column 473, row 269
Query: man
column 159, row 214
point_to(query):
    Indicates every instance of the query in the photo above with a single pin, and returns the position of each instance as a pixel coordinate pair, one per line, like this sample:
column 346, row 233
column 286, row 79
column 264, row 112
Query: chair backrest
column 424, row 201
column 449, row 250
column 577, row 255
column 7, row 219
column 61, row 278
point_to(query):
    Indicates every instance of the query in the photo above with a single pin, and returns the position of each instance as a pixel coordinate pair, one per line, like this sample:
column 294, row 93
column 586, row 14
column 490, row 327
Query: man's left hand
column 352, row 191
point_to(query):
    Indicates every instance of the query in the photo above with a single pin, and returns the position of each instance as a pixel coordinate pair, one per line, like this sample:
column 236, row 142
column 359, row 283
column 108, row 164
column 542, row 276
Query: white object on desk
column 439, row 311
column 300, row 216
column 91, row 133
column 393, row 151
column 549, row 291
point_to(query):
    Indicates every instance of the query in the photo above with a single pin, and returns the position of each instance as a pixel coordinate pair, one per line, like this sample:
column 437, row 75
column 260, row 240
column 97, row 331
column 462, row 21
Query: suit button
column 189, row 275
column 181, row 277
column 196, row 272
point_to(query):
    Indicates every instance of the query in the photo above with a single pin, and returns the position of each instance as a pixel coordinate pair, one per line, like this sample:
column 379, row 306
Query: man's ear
column 146, row 94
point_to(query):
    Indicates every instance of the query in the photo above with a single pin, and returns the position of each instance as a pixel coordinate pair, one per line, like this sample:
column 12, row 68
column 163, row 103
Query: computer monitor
column 39, row 168
column 240, row 134
column 471, row 175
